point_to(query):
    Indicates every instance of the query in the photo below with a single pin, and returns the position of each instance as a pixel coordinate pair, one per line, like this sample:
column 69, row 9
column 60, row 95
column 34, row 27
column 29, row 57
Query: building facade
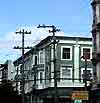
column 71, row 69
column 7, row 71
column 96, row 49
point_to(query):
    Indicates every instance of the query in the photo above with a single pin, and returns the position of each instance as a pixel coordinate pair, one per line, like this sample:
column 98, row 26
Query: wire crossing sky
column 73, row 17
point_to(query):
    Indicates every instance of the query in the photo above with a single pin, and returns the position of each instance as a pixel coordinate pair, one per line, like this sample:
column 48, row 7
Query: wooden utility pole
column 86, row 76
column 22, row 71
column 85, row 73
column 54, row 57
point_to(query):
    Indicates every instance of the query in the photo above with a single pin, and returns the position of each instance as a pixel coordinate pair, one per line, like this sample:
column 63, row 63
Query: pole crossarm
column 23, row 32
column 46, row 26
column 17, row 47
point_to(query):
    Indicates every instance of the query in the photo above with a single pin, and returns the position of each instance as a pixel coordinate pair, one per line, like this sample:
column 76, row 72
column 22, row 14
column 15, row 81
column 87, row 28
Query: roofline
column 48, row 38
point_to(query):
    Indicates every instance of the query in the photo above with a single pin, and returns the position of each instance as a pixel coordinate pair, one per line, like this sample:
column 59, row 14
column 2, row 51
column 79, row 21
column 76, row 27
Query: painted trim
column 74, row 42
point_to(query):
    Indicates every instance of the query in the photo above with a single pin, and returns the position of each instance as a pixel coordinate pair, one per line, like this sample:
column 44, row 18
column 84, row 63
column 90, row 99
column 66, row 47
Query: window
column 21, row 67
column 66, row 52
column 86, row 53
column 4, row 73
column 47, row 73
column 66, row 72
column 35, row 60
column 98, row 13
column 41, row 77
column 48, row 54
column 41, row 59
column 87, row 74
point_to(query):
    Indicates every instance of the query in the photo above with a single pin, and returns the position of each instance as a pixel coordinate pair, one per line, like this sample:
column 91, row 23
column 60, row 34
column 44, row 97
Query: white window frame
column 70, row 52
column 61, row 76
column 90, row 53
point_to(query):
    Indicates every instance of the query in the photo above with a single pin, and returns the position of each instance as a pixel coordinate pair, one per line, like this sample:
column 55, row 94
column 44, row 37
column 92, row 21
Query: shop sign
column 80, row 95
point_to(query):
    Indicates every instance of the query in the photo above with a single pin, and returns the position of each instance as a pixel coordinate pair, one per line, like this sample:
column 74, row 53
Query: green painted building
column 69, row 64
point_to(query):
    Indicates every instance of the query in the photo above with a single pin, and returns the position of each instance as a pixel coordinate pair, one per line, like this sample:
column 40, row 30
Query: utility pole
column 54, row 57
column 85, row 73
column 22, row 71
column 86, row 76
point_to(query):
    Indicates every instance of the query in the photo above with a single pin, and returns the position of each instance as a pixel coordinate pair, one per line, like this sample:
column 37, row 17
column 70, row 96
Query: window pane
column 35, row 60
column 66, row 53
column 66, row 73
column 41, row 77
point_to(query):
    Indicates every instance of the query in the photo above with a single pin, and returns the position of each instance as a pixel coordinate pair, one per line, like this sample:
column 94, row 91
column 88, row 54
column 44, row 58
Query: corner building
column 70, row 67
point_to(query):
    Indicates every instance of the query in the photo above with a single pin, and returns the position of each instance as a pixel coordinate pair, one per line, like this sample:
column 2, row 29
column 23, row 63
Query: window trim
column 90, row 53
column 70, row 52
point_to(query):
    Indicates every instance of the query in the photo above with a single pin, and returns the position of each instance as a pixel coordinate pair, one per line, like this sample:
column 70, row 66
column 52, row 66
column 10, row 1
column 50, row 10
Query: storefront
column 64, row 95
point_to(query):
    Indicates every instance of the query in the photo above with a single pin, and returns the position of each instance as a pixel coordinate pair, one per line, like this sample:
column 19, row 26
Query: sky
column 72, row 17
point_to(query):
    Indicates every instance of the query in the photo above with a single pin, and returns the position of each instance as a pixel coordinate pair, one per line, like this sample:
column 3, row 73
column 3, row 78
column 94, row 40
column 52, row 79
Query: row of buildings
column 73, row 72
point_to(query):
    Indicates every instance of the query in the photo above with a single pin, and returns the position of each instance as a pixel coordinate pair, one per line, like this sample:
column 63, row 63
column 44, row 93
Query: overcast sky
column 73, row 17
